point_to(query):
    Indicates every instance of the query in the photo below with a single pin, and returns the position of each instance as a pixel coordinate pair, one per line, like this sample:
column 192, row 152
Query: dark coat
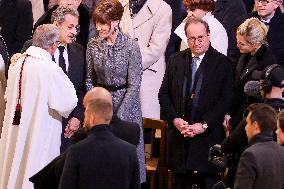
column 246, row 68
column 174, row 41
column 84, row 22
column 101, row 161
column 76, row 74
column 236, row 142
column 215, row 98
column 261, row 165
column 16, row 23
column 50, row 175
column 275, row 35
column 231, row 13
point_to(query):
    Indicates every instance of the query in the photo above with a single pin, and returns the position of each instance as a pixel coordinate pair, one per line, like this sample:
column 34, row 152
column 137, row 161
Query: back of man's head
column 98, row 104
column 45, row 36
column 264, row 115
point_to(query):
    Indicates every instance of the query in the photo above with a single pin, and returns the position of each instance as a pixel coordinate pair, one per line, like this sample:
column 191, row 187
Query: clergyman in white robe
column 47, row 95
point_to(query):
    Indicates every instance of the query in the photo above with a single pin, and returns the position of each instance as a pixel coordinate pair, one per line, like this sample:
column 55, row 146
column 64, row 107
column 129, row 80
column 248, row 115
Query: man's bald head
column 97, row 93
column 98, row 107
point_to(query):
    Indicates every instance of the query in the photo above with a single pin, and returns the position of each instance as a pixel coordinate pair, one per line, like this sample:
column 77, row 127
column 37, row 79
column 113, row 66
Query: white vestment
column 47, row 94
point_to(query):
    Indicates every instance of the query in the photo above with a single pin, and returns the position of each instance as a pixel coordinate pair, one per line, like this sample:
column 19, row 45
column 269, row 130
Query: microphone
column 252, row 88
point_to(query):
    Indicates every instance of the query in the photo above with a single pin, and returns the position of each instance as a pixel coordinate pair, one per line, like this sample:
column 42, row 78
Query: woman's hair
column 253, row 30
column 107, row 11
column 206, row 5
column 281, row 120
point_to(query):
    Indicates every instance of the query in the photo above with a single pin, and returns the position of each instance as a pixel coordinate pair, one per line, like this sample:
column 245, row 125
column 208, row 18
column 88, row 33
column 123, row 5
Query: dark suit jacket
column 16, row 23
column 101, row 161
column 76, row 72
column 231, row 13
column 84, row 22
column 275, row 35
column 261, row 164
column 50, row 175
column 215, row 98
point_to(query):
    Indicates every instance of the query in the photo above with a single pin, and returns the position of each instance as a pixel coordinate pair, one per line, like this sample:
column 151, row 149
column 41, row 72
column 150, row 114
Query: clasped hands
column 72, row 126
column 188, row 130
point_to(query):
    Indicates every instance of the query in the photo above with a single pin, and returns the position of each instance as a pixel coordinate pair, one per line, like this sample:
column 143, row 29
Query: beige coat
column 151, row 27
column 2, row 91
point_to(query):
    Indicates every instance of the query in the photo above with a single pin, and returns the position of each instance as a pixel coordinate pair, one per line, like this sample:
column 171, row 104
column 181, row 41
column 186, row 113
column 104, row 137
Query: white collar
column 38, row 52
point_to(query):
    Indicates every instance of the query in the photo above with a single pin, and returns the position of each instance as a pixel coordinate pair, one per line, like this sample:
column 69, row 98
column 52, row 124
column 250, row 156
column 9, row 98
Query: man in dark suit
column 231, row 13
column 16, row 23
column 72, row 60
column 50, row 175
column 261, row 164
column 195, row 94
column 270, row 14
column 101, row 160
column 84, row 19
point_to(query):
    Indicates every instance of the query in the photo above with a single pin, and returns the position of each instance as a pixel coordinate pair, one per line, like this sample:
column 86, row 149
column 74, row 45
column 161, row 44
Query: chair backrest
column 157, row 126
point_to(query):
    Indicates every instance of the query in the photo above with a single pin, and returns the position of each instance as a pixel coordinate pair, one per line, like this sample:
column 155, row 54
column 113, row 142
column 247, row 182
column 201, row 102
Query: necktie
column 193, row 69
column 61, row 58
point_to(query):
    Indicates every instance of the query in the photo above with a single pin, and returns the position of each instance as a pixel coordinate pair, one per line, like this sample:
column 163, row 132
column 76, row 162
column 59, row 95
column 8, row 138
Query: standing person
column 84, row 19
column 38, row 95
column 70, row 56
column 203, row 9
column 16, row 23
column 3, row 61
column 280, row 128
column 149, row 22
column 196, row 92
column 255, row 57
column 114, row 62
column 231, row 13
column 102, row 160
column 270, row 14
column 263, row 159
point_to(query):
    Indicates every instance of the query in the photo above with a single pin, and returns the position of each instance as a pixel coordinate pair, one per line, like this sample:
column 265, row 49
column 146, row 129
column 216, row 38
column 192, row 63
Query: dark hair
column 206, row 5
column 60, row 13
column 107, row 11
column 264, row 115
column 281, row 120
column 195, row 21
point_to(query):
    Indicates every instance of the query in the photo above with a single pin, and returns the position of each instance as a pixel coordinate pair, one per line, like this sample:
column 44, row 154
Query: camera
column 217, row 157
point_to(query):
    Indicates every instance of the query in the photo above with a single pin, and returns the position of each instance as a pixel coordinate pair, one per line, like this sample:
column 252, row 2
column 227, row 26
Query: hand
column 193, row 130
column 180, row 124
column 226, row 123
column 15, row 58
column 72, row 126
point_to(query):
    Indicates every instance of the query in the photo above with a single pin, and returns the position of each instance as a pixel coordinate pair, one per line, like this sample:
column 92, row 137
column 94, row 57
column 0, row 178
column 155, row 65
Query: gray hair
column 60, row 13
column 253, row 30
column 45, row 35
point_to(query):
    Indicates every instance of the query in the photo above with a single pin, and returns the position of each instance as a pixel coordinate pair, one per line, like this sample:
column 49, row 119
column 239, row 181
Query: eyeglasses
column 263, row 2
column 200, row 39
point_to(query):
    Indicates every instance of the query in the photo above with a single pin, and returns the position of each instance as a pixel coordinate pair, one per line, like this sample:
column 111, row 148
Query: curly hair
column 206, row 5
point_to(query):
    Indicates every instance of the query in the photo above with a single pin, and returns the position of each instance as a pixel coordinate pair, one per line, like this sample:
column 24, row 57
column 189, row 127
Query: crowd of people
column 78, row 76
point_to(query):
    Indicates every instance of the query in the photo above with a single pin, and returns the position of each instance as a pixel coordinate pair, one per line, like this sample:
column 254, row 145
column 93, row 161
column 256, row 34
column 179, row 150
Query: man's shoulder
column 264, row 149
column 76, row 46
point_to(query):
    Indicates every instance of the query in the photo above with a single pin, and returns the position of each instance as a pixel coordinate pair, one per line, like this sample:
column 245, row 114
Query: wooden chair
column 156, row 165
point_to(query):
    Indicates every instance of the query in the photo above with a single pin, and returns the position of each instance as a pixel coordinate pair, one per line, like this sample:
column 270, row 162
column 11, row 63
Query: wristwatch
column 204, row 125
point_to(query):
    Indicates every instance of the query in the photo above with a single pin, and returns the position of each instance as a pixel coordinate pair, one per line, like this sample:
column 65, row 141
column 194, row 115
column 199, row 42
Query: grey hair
column 253, row 30
column 45, row 35
column 60, row 13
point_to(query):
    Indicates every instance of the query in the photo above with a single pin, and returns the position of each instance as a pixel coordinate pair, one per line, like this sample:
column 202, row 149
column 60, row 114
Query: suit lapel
column 71, row 57
column 252, row 66
column 146, row 13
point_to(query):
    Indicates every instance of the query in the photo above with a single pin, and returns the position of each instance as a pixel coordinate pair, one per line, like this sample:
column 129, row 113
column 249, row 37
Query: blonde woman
column 255, row 57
